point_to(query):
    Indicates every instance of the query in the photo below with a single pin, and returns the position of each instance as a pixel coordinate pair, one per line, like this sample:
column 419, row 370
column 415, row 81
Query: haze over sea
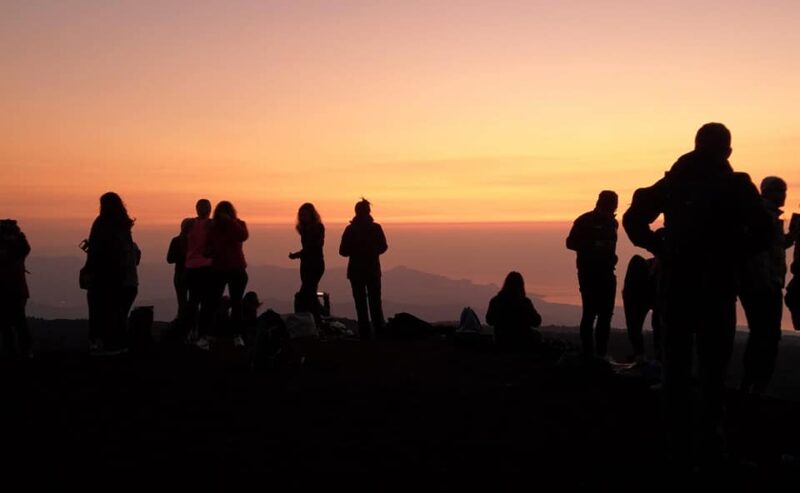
column 480, row 252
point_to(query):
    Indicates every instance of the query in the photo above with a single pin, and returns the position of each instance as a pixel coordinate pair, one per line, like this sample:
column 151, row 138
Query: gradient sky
column 434, row 110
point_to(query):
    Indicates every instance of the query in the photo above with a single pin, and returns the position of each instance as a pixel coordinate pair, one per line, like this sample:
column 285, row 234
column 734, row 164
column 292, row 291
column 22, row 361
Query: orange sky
column 436, row 111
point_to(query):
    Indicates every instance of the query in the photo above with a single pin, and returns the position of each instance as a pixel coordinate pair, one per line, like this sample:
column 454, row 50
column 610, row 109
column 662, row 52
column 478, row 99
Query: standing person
column 176, row 255
column 793, row 288
column 111, row 266
column 363, row 242
column 713, row 221
column 513, row 316
column 312, row 262
column 198, row 275
column 594, row 237
column 638, row 298
column 14, row 248
column 761, row 294
column 224, row 242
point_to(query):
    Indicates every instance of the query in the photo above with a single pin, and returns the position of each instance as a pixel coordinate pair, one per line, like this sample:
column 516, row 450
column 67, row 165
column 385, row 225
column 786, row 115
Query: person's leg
column 376, row 305
column 360, row 298
column 181, row 292
column 635, row 313
column 606, row 295
column 588, row 313
column 209, row 290
column 236, row 288
column 754, row 312
column 679, row 324
column 24, row 339
column 767, row 340
column 93, row 302
column 6, row 328
column 714, row 348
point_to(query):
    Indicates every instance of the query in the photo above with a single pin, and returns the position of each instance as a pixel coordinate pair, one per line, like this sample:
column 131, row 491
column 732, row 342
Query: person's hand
column 294, row 256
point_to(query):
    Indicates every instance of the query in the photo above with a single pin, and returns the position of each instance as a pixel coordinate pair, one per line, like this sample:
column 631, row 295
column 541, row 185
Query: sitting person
column 513, row 316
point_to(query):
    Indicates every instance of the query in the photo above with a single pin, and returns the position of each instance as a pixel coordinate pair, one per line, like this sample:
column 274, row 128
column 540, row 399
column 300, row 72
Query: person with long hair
column 513, row 315
column 363, row 242
column 199, row 313
column 111, row 267
column 224, row 242
column 312, row 261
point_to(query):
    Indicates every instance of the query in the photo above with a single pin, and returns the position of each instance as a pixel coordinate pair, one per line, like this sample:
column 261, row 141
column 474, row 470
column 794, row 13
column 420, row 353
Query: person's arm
column 491, row 312
column 345, row 247
column 576, row 240
column 647, row 205
column 239, row 229
column 534, row 319
column 24, row 248
column 382, row 245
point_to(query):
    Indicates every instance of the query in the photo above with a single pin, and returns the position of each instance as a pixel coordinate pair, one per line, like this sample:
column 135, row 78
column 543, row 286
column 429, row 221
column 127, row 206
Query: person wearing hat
column 594, row 238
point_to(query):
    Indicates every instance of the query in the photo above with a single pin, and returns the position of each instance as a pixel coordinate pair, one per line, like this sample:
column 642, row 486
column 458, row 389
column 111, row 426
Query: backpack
column 407, row 326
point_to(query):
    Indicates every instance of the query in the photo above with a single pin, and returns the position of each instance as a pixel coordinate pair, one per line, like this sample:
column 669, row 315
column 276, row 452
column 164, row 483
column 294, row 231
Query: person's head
column 514, row 285
column 307, row 215
column 773, row 189
column 607, row 202
column 363, row 208
column 224, row 208
column 713, row 139
column 203, row 208
column 113, row 209
column 250, row 304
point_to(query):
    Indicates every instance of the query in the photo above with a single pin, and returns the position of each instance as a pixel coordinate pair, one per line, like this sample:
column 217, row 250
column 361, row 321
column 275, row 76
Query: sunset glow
column 436, row 111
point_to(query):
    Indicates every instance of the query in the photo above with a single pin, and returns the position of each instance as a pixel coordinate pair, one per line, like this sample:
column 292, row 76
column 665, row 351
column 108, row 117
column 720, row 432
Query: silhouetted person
column 199, row 313
column 176, row 255
column 312, row 261
column 513, row 316
column 363, row 242
column 713, row 221
column 111, row 264
column 14, row 248
column 793, row 289
column 761, row 294
column 639, row 298
column 594, row 237
column 224, row 245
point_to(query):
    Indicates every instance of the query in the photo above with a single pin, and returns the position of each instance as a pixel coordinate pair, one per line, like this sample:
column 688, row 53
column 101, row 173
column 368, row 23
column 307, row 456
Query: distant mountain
column 55, row 293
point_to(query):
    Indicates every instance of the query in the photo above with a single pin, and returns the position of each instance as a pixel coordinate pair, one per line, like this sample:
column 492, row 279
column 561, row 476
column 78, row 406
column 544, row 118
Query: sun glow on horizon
column 438, row 112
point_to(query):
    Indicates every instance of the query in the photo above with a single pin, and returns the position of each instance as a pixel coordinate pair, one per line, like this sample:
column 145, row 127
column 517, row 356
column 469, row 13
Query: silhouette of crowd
column 721, row 239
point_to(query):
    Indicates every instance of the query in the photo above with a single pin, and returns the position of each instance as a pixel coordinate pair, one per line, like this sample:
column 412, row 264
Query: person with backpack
column 14, row 249
column 363, row 242
column 513, row 316
column 312, row 260
column 226, row 236
column 714, row 221
column 200, row 307
column 111, row 270
column 594, row 238
column 761, row 294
